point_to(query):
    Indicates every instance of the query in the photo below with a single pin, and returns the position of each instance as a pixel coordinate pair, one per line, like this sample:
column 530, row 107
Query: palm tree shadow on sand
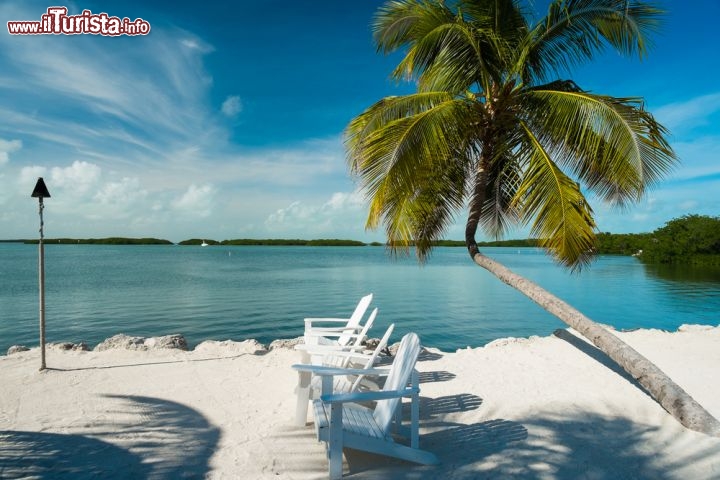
column 142, row 437
column 567, row 447
column 561, row 447
column 452, row 442
column 47, row 455
column 545, row 445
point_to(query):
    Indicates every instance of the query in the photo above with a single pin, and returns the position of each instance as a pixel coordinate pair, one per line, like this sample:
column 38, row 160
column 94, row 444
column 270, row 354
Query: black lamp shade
column 40, row 190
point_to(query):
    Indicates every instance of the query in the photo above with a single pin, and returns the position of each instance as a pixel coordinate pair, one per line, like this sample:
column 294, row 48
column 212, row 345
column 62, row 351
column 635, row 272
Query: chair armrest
column 310, row 320
column 332, row 371
column 321, row 330
column 368, row 396
column 351, row 353
column 332, row 335
column 329, row 349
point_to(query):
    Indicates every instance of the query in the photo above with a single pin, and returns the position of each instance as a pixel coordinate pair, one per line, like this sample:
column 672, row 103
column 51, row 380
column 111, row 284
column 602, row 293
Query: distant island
column 348, row 243
column 194, row 241
column 691, row 239
column 326, row 242
column 96, row 241
column 322, row 242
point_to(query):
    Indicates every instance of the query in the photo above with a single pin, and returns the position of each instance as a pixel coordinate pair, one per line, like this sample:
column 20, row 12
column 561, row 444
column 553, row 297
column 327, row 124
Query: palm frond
column 446, row 49
column 397, row 134
column 612, row 144
column 406, row 153
column 400, row 22
column 451, row 58
column 503, row 17
column 574, row 30
column 423, row 217
column 380, row 115
column 500, row 209
column 561, row 217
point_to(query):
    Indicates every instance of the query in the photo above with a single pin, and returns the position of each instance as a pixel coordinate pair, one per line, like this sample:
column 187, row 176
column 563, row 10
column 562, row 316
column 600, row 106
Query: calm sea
column 96, row 291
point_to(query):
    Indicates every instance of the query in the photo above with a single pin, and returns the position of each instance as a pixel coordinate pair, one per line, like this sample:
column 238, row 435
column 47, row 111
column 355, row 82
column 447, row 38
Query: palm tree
column 493, row 129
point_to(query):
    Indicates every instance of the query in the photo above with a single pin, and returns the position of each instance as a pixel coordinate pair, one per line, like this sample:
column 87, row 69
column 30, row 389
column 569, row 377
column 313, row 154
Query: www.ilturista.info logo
column 57, row 22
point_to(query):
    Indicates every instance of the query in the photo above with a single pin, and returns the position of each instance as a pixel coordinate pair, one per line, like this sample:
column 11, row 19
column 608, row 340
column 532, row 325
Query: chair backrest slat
column 398, row 379
column 354, row 320
column 373, row 358
column 342, row 361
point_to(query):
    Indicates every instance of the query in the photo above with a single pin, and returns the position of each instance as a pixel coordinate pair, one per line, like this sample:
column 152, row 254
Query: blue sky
column 226, row 120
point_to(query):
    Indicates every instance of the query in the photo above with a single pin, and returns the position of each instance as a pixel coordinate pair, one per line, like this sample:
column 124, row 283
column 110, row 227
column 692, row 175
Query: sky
column 226, row 120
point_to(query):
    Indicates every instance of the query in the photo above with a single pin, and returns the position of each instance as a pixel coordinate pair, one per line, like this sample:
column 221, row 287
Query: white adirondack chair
column 352, row 358
column 315, row 350
column 340, row 422
column 337, row 331
column 310, row 387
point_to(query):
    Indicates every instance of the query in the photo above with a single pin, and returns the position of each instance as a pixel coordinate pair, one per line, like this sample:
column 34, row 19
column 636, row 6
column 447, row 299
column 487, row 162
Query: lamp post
column 41, row 192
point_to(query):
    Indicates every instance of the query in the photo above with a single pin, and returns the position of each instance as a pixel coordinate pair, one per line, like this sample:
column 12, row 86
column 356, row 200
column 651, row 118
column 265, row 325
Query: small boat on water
column 204, row 244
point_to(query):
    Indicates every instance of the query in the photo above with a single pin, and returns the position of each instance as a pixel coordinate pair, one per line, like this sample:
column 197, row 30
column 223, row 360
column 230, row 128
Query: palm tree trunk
column 666, row 392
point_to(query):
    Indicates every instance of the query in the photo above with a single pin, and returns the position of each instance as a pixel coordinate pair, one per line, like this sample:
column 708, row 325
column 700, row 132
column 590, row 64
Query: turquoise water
column 96, row 291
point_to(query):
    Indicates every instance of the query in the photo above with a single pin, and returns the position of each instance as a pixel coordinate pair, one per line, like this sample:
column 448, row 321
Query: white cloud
column 6, row 148
column 291, row 214
column 310, row 162
column 668, row 201
column 689, row 205
column 196, row 201
column 77, row 178
column 123, row 203
column 232, row 106
column 343, row 200
column 640, row 217
column 688, row 114
column 29, row 175
column 157, row 96
column 698, row 158
column 193, row 42
column 126, row 191
column 343, row 214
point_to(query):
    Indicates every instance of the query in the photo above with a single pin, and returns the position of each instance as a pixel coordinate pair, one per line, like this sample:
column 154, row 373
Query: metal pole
column 41, row 268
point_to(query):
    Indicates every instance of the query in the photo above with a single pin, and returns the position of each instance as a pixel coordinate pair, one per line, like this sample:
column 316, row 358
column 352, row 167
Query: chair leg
column 303, row 391
column 397, row 419
column 303, row 397
column 415, row 412
column 335, row 441
column 415, row 421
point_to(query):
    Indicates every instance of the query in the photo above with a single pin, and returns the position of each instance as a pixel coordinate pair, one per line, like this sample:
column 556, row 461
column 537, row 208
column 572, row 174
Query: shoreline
column 177, row 341
column 542, row 407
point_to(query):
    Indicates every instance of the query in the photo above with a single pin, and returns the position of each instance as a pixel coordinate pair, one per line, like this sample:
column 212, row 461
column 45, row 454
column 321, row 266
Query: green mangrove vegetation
column 323, row 242
column 198, row 241
column 691, row 240
column 103, row 241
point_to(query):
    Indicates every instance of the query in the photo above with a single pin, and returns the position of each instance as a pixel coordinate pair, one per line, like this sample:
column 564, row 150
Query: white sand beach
column 545, row 408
